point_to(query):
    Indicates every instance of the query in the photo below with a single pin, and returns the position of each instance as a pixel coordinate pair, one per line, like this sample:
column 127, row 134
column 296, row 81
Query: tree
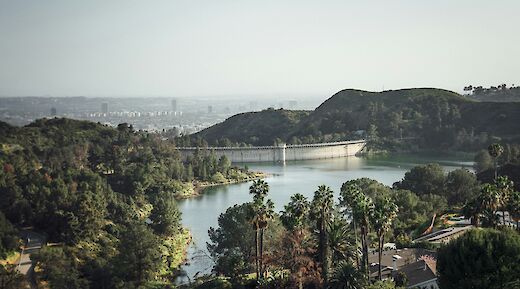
column 481, row 258
column 346, row 276
column 296, row 213
column 385, row 211
column 461, row 185
column 298, row 250
column 495, row 150
column 322, row 205
column 488, row 202
column 505, row 188
column 90, row 208
column 8, row 236
column 165, row 215
column 263, row 211
column 340, row 241
column 483, row 161
column 425, row 179
column 224, row 164
column 361, row 208
column 59, row 269
column 513, row 207
column 232, row 241
column 10, row 278
column 139, row 256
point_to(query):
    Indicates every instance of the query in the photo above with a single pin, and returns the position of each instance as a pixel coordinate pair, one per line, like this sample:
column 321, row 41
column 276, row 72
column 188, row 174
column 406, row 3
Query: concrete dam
column 283, row 152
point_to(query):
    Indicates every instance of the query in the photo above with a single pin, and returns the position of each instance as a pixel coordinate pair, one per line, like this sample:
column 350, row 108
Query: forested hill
column 406, row 119
column 102, row 194
column 258, row 128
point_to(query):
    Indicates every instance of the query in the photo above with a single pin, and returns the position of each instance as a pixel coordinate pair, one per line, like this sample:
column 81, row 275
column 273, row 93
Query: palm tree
column 346, row 276
column 322, row 206
column 295, row 213
column 488, row 201
column 385, row 211
column 471, row 209
column 349, row 192
column 262, row 211
column 495, row 150
column 340, row 241
column 513, row 207
column 362, row 208
column 504, row 187
column 294, row 220
column 266, row 213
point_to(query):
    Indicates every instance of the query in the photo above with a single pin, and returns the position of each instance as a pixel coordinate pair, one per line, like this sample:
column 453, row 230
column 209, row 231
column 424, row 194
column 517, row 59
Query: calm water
column 201, row 213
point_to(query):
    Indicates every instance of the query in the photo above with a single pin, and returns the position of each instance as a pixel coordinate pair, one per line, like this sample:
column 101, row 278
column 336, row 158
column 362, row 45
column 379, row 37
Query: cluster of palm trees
column 376, row 213
column 494, row 197
column 497, row 196
column 334, row 226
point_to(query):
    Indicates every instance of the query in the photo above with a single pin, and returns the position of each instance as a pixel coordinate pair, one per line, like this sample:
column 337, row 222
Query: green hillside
column 101, row 193
column 406, row 119
column 258, row 128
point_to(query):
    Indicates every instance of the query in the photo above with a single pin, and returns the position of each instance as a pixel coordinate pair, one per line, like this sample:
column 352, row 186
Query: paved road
column 33, row 243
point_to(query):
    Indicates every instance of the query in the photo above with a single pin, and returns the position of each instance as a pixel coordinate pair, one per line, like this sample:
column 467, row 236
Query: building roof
column 408, row 255
column 419, row 272
column 443, row 235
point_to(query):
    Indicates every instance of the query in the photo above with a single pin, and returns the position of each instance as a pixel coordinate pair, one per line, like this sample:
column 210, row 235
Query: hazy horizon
column 253, row 48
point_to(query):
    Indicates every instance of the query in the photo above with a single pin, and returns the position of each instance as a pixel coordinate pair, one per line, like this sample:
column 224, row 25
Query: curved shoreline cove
column 201, row 213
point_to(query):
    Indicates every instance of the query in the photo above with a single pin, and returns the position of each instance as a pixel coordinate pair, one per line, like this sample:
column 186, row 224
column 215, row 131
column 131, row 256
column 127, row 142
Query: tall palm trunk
column 381, row 242
column 364, row 232
column 363, row 264
column 496, row 167
column 357, row 251
column 324, row 251
column 262, row 252
column 300, row 273
column 257, row 261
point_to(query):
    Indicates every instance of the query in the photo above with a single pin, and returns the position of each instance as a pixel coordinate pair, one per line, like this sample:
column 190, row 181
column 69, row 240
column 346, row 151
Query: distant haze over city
column 253, row 49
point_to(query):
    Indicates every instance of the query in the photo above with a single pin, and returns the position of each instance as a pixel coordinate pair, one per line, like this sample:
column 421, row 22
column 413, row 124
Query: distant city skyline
column 293, row 48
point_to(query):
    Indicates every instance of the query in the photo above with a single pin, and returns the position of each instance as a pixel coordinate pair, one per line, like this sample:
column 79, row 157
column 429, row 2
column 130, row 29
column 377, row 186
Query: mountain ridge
column 435, row 118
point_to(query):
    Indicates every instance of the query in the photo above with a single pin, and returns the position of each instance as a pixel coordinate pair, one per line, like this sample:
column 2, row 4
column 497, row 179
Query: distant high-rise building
column 53, row 111
column 210, row 109
column 174, row 104
column 104, row 107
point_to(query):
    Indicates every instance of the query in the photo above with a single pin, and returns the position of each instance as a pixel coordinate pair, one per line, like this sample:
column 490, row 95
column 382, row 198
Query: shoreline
column 199, row 187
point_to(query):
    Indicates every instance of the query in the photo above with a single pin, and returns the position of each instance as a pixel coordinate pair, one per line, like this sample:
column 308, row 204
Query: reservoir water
column 201, row 213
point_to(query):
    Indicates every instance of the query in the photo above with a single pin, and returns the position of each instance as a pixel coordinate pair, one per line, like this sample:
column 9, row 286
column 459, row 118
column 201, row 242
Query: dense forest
column 407, row 119
column 105, row 197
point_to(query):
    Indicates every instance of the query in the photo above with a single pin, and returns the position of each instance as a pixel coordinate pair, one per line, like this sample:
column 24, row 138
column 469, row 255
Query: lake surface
column 201, row 213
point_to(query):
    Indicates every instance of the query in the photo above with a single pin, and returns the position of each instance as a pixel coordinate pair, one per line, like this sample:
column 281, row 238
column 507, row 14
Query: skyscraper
column 104, row 107
column 174, row 104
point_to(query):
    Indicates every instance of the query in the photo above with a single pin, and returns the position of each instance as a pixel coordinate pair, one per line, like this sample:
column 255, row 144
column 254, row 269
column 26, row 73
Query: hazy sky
column 261, row 47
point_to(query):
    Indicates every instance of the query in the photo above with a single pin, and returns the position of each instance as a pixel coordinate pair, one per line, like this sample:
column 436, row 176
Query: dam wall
column 283, row 152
